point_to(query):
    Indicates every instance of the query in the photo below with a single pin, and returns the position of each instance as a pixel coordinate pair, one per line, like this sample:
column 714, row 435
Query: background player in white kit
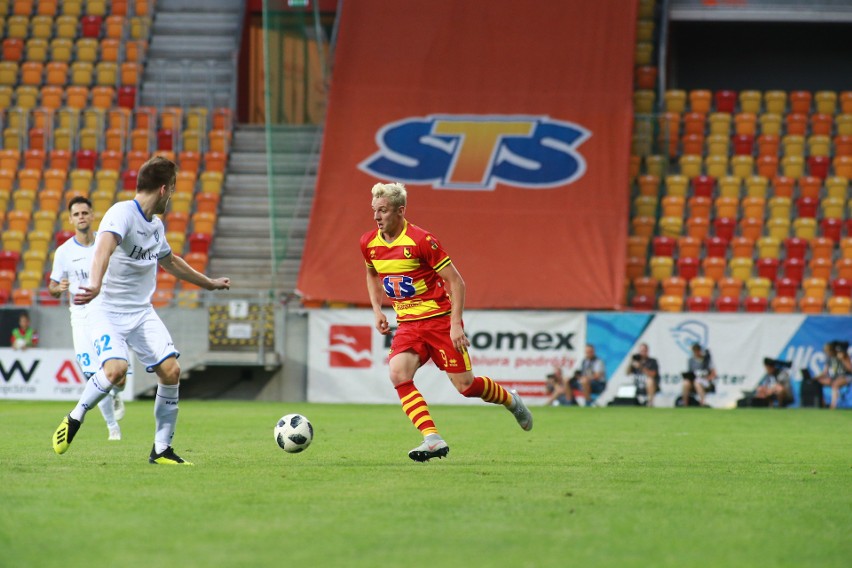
column 71, row 264
column 130, row 245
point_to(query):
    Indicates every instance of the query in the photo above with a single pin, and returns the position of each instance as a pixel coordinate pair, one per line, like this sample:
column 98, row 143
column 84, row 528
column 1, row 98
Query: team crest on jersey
column 372, row 253
column 407, row 252
column 476, row 152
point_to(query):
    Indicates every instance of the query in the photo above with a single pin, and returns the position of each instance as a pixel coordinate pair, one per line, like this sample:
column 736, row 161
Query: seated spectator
column 838, row 369
column 557, row 394
column 646, row 374
column 24, row 336
column 774, row 388
column 699, row 376
column 591, row 378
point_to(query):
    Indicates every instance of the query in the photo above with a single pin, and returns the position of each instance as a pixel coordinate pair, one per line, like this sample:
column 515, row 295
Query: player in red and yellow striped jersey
column 407, row 264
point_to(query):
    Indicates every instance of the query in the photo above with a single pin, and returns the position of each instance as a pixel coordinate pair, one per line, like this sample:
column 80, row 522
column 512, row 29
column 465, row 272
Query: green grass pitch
column 587, row 487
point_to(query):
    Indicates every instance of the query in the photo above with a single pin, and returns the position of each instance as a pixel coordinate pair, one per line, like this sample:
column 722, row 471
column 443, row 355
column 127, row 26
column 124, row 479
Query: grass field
column 587, row 487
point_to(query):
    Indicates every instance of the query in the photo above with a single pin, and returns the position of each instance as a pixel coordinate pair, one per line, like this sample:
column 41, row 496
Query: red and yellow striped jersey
column 408, row 268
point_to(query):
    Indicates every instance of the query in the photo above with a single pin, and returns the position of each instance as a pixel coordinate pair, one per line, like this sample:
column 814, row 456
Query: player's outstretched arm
column 178, row 267
column 105, row 244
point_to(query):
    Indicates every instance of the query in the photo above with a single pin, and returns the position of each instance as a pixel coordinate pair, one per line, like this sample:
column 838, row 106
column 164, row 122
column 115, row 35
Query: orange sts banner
column 509, row 123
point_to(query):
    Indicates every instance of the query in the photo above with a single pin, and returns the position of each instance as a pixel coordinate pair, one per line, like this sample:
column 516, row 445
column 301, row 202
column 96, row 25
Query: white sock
column 97, row 387
column 107, row 408
column 165, row 416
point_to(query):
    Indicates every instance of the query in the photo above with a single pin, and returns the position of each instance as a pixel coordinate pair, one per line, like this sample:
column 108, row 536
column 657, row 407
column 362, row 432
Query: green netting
column 296, row 47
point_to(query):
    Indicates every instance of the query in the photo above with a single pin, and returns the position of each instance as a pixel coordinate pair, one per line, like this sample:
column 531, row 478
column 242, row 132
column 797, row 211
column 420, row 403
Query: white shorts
column 87, row 358
column 143, row 331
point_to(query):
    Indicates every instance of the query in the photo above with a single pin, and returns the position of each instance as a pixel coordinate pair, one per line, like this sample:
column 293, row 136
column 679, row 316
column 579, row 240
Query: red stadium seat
column 663, row 246
column 643, row 303
column 807, row 207
column 725, row 227
column 716, row 247
column 727, row 304
column 62, row 236
column 756, row 305
column 794, row 269
column 831, row 228
column 767, row 268
column 786, row 287
column 726, row 101
column 687, row 267
column 703, row 186
column 841, row 287
column 794, row 247
column 9, row 260
column 698, row 304
column 818, row 166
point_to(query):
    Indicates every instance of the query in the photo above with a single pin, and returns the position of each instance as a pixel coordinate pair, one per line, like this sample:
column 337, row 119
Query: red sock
column 489, row 391
column 414, row 405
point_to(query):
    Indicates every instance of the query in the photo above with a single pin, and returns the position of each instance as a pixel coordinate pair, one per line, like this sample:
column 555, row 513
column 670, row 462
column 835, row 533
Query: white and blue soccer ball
column 294, row 433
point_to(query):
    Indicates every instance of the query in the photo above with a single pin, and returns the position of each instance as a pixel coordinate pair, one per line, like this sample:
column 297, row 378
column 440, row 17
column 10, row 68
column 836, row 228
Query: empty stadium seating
column 757, row 182
column 70, row 74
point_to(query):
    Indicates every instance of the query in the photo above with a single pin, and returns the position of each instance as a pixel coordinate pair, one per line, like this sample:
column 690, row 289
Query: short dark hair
column 156, row 173
column 79, row 199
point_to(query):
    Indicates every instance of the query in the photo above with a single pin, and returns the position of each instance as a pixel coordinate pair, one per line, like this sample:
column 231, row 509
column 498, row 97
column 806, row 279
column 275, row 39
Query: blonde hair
column 395, row 193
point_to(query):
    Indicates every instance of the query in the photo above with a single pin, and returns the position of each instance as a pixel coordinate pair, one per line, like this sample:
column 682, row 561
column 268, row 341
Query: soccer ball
column 294, row 433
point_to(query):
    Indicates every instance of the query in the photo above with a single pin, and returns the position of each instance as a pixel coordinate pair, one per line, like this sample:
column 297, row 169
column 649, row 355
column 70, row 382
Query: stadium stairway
column 191, row 60
column 243, row 244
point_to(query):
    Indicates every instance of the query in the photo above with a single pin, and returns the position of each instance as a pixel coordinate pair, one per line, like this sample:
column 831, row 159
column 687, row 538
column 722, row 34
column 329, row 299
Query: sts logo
column 350, row 346
column 475, row 152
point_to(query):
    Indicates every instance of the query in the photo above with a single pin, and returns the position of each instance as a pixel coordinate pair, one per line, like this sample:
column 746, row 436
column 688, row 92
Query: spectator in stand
column 774, row 388
column 24, row 336
column 557, row 392
column 838, row 369
column 699, row 375
column 646, row 373
column 592, row 376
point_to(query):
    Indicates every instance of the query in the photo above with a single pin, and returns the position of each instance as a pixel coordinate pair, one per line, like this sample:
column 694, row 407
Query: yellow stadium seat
column 839, row 305
column 716, row 166
column 836, row 186
column 741, row 268
column 670, row 303
column 13, row 240
column 81, row 180
column 34, row 261
column 37, row 50
column 674, row 100
column 758, row 287
column 793, row 166
column 805, row 228
column 24, row 199
column 776, row 102
column 60, row 50
column 729, row 186
column 661, row 267
column 86, row 50
column 750, row 101
column 66, row 26
column 826, row 102
column 718, row 145
column 671, row 226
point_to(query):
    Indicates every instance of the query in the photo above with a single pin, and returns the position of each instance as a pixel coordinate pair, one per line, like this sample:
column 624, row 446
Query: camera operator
column 774, row 387
column 557, row 392
column 646, row 374
column 699, row 375
column 838, row 369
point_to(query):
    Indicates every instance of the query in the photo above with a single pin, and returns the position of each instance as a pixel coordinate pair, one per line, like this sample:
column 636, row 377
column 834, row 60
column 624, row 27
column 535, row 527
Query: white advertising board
column 347, row 359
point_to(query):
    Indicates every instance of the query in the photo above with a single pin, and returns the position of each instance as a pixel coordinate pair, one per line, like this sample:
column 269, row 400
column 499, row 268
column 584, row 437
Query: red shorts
column 430, row 339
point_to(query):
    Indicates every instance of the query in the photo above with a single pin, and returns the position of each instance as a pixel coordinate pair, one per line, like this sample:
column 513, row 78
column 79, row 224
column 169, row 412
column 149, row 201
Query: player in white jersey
column 71, row 264
column 130, row 245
